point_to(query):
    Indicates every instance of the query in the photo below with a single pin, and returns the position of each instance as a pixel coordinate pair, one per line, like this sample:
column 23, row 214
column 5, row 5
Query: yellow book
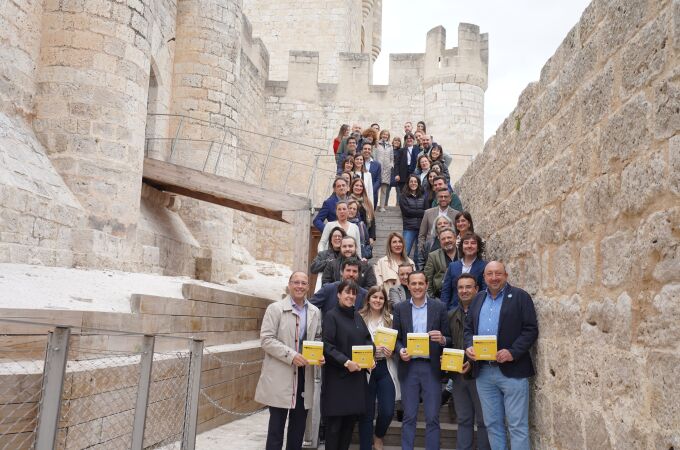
column 485, row 347
column 418, row 344
column 452, row 360
column 387, row 337
column 312, row 351
column 363, row 355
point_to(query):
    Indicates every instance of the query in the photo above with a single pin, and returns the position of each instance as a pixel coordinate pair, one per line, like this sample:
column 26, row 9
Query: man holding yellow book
column 419, row 375
column 507, row 313
column 285, row 385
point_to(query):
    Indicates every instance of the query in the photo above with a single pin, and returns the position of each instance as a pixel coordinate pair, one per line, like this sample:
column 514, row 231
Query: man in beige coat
column 285, row 386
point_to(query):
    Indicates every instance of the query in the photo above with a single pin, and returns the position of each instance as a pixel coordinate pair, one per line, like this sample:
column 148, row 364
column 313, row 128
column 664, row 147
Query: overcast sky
column 523, row 34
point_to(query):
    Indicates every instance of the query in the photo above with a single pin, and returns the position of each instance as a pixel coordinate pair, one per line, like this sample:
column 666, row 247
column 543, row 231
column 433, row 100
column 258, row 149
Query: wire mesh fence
column 100, row 390
column 167, row 399
column 21, row 378
column 69, row 387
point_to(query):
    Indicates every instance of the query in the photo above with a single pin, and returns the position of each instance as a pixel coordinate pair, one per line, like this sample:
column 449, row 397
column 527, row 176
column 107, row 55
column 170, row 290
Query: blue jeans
column 503, row 397
column 411, row 238
column 382, row 387
column 421, row 381
column 468, row 412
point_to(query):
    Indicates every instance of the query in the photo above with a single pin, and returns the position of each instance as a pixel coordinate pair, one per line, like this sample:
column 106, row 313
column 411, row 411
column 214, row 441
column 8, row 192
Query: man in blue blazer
column 327, row 211
column 326, row 298
column 374, row 167
column 508, row 313
column 420, row 377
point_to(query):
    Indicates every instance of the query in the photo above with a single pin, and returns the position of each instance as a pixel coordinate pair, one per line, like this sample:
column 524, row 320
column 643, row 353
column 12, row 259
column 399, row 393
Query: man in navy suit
column 508, row 313
column 327, row 211
column 374, row 167
column 326, row 298
column 420, row 377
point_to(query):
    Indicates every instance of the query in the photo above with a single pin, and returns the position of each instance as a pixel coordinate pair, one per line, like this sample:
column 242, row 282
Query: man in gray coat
column 285, row 386
column 427, row 225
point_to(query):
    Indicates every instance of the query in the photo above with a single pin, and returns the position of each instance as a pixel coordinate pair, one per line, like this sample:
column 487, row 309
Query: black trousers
column 339, row 431
column 296, row 421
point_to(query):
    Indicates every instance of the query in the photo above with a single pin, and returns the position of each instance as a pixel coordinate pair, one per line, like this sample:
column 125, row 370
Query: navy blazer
column 449, row 295
column 326, row 298
column 375, row 169
column 437, row 319
column 327, row 212
column 414, row 159
column 517, row 330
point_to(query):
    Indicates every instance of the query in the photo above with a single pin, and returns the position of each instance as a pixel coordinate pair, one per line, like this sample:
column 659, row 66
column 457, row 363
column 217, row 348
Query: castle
column 94, row 86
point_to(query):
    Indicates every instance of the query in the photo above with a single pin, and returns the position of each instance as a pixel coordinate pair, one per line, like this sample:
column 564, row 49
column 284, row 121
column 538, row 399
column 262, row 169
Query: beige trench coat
column 278, row 380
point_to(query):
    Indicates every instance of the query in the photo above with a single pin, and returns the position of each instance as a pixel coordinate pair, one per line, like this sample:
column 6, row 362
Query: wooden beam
column 220, row 190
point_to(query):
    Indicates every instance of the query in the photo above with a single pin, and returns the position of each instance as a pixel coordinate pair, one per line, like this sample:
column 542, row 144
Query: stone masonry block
column 565, row 271
column 663, row 369
column 667, row 106
column 587, row 266
column 641, row 181
column 568, row 426
column 626, row 132
column 645, row 56
column 674, row 164
column 602, row 194
column 658, row 247
column 618, row 255
column 573, row 220
column 596, row 97
column 659, row 327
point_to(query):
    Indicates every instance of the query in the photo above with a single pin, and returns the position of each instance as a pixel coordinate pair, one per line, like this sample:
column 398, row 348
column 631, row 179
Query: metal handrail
column 268, row 156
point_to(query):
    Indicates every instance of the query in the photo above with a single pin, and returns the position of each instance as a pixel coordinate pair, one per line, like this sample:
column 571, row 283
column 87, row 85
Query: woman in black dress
column 344, row 392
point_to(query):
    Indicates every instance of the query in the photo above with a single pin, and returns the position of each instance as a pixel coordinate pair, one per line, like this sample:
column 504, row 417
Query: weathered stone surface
column 617, row 258
column 641, row 181
column 674, row 163
column 567, row 423
column 659, row 326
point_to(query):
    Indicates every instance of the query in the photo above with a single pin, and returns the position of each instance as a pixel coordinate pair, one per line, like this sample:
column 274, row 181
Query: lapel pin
column 509, row 295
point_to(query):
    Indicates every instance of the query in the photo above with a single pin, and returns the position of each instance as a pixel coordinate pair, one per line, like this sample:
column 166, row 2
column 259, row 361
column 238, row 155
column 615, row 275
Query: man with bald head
column 508, row 313
column 287, row 383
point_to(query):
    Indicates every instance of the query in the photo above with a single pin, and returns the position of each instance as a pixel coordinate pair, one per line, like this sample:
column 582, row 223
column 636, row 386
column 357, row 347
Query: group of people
column 433, row 279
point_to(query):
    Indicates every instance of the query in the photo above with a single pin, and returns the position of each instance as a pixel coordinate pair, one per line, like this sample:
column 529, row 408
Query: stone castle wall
column 579, row 192
column 80, row 79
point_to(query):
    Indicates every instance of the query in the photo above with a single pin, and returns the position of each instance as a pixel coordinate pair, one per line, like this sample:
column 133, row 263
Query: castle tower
column 344, row 26
column 454, row 83
column 207, row 56
column 92, row 80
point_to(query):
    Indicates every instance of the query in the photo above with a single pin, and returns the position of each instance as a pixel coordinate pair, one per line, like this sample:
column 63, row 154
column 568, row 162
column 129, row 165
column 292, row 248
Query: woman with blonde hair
column 357, row 191
column 387, row 268
column 383, row 384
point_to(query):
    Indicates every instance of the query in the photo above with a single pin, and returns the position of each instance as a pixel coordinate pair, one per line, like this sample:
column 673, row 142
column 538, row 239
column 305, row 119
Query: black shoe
column 400, row 415
column 446, row 396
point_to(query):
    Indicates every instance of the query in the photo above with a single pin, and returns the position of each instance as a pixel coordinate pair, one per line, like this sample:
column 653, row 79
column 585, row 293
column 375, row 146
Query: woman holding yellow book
column 383, row 384
column 345, row 387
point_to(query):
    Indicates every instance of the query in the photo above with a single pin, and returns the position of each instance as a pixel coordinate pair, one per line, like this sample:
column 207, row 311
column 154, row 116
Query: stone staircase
column 385, row 223
column 392, row 439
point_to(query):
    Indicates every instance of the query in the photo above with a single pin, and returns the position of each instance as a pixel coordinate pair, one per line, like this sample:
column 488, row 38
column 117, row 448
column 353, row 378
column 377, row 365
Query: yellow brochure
column 418, row 345
column 387, row 337
column 485, row 347
column 452, row 360
column 312, row 351
column 363, row 355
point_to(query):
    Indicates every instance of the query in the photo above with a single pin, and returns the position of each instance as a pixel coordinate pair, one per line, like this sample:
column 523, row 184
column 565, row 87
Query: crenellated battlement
column 467, row 64
column 253, row 47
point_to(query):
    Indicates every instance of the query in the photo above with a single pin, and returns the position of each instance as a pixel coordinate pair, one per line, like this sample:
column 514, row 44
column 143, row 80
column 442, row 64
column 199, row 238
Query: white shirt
column 466, row 269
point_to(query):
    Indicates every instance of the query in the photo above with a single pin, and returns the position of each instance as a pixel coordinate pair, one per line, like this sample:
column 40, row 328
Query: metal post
column 52, row 387
column 245, row 171
column 266, row 161
column 312, row 179
column 285, row 183
column 145, row 366
column 208, row 156
column 219, row 156
column 174, row 141
column 193, row 392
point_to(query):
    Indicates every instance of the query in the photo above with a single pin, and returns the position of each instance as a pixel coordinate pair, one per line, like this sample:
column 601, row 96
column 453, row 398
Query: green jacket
column 435, row 269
